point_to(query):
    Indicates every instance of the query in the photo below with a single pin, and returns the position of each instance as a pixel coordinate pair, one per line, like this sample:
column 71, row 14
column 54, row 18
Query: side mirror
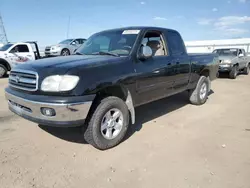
column 241, row 55
column 145, row 53
column 73, row 43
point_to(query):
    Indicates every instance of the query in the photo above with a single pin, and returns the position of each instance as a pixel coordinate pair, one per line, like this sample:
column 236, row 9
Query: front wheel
column 108, row 124
column 198, row 96
column 3, row 71
column 65, row 52
column 246, row 70
column 233, row 73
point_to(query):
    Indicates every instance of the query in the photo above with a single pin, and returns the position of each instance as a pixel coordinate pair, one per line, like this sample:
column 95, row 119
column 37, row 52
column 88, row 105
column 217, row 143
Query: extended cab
column 13, row 54
column 233, row 60
column 111, row 74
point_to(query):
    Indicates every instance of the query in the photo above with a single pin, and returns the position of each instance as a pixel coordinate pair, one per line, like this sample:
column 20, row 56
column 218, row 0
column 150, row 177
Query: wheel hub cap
column 112, row 124
column 203, row 91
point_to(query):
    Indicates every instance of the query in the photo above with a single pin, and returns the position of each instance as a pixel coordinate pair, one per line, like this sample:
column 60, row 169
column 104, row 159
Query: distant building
column 207, row 46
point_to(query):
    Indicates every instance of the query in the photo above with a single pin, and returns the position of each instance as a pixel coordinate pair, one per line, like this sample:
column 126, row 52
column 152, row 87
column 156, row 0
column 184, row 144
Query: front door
column 20, row 53
column 154, row 76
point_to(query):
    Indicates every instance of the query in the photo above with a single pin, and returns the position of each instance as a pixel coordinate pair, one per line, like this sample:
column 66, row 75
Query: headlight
column 59, row 83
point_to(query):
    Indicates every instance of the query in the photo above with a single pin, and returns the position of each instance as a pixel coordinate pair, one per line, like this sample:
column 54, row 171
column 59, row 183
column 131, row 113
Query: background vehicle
column 64, row 48
column 120, row 70
column 233, row 60
column 12, row 54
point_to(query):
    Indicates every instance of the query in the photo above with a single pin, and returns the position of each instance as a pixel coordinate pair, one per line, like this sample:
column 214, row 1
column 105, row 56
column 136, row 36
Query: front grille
column 22, row 79
column 47, row 49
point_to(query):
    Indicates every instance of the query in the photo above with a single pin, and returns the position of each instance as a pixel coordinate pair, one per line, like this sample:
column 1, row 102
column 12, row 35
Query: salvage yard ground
column 173, row 144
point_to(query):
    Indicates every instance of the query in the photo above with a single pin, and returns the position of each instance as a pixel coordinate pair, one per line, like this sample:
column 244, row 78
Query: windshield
column 118, row 42
column 5, row 47
column 226, row 52
column 67, row 41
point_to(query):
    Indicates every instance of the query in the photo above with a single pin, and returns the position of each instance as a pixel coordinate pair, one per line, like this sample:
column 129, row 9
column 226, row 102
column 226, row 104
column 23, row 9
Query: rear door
column 154, row 76
column 180, row 60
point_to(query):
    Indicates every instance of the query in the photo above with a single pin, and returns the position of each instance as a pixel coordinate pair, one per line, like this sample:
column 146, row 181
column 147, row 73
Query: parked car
column 12, row 54
column 120, row 70
column 64, row 48
column 233, row 60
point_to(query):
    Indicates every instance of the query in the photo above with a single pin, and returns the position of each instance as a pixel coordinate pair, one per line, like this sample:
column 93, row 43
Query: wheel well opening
column 5, row 63
column 205, row 73
column 116, row 91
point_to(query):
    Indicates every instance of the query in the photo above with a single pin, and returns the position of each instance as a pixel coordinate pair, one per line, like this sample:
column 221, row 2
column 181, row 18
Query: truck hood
column 223, row 58
column 2, row 54
column 64, row 64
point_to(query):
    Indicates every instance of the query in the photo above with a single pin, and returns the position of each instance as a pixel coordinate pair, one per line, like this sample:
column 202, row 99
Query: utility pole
column 3, row 36
column 68, row 28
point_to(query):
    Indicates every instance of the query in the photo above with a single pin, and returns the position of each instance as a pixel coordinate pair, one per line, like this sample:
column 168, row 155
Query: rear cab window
column 175, row 43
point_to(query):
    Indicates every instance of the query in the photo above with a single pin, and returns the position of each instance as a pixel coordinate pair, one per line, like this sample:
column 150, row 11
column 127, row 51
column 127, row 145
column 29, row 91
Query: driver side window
column 20, row 49
column 154, row 40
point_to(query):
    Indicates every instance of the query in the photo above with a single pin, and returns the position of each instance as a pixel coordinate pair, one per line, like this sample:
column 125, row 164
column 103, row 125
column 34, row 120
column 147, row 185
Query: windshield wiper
column 105, row 53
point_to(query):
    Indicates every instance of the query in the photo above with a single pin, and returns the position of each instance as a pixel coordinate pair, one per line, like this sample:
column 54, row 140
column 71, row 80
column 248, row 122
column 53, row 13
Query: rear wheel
column 246, row 70
column 65, row 52
column 3, row 71
column 198, row 96
column 234, row 72
column 108, row 124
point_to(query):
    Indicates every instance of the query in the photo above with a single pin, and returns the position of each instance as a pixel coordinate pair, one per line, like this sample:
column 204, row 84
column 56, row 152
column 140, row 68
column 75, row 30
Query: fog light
column 48, row 111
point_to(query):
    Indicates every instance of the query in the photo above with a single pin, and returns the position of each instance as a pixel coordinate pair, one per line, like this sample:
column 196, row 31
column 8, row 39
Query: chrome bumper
column 71, row 114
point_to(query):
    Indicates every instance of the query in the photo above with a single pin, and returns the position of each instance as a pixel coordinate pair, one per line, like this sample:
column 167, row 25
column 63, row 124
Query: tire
column 198, row 96
column 3, row 71
column 65, row 52
column 246, row 70
column 234, row 72
column 94, row 134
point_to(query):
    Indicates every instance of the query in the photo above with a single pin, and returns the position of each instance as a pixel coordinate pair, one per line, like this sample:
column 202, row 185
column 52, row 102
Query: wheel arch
column 5, row 63
column 119, row 91
column 206, row 73
column 65, row 49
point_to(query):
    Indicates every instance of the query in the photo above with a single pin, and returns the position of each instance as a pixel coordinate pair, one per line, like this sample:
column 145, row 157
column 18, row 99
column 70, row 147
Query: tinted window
column 175, row 43
column 20, row 48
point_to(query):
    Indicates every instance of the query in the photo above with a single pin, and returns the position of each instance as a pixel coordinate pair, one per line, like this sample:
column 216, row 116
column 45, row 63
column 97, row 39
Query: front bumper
column 225, row 68
column 66, row 114
column 52, row 53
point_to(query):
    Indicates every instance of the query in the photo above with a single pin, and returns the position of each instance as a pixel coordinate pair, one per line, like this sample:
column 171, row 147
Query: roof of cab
column 139, row 28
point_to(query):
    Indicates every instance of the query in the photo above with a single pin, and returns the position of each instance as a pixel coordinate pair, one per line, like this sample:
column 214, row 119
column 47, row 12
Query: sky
column 46, row 21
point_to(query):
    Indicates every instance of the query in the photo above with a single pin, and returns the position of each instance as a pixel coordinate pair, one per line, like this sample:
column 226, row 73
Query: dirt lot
column 172, row 145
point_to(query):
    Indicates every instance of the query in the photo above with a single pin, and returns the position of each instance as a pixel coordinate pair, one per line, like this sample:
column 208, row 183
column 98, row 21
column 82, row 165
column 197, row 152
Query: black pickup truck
column 111, row 74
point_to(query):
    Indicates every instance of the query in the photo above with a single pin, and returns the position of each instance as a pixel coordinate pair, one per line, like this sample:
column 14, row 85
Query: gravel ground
column 173, row 145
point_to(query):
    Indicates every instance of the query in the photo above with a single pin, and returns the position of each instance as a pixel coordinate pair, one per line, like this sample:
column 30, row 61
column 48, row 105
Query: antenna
column 3, row 36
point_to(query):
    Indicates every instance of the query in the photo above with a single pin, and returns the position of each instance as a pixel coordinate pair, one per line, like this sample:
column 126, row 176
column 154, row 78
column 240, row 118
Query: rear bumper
column 67, row 114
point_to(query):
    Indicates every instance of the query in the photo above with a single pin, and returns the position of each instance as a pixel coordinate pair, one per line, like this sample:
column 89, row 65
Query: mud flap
column 130, row 105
